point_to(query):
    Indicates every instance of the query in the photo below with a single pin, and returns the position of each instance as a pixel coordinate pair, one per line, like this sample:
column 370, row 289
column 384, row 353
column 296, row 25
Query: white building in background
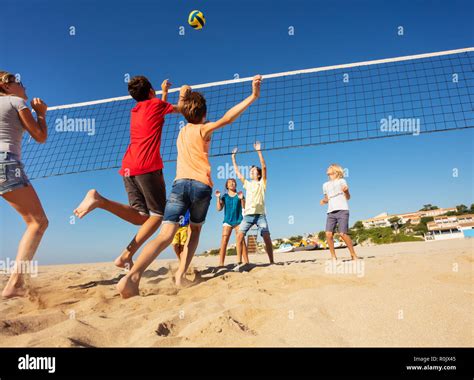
column 450, row 227
column 382, row 220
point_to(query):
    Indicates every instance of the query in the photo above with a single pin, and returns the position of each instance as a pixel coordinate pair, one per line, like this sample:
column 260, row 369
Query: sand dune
column 410, row 294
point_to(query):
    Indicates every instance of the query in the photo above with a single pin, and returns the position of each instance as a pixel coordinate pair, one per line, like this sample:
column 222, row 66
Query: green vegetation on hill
column 230, row 252
column 398, row 232
column 381, row 235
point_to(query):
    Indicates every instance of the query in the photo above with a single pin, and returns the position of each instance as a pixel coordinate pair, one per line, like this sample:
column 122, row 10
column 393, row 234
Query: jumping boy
column 192, row 187
column 336, row 195
column 142, row 168
column 254, row 212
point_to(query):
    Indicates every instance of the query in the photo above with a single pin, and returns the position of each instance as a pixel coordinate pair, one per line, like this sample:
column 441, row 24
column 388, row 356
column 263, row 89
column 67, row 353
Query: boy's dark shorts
column 147, row 192
column 339, row 218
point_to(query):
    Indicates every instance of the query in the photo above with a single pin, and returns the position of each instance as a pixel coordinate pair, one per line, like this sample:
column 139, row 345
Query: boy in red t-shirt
column 142, row 168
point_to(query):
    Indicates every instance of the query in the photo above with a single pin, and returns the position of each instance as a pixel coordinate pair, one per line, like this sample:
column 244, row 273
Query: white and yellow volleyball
column 196, row 19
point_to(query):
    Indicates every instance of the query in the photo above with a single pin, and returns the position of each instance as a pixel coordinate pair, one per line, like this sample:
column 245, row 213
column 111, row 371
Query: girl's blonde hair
column 337, row 169
column 5, row 78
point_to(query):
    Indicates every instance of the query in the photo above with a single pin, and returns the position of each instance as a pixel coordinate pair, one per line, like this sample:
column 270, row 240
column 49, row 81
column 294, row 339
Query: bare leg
column 330, row 240
column 128, row 285
column 226, row 231
column 94, row 200
column 242, row 247
column 26, row 202
column 146, row 230
column 268, row 246
column 188, row 252
column 350, row 246
column 178, row 249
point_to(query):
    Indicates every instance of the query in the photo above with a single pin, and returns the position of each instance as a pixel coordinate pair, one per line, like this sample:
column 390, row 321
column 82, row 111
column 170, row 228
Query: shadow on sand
column 204, row 275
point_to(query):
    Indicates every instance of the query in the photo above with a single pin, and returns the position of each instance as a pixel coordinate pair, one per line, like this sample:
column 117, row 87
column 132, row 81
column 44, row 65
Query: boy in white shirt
column 336, row 195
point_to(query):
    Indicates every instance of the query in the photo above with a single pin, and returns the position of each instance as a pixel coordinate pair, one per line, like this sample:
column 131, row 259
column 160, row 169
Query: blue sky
column 244, row 37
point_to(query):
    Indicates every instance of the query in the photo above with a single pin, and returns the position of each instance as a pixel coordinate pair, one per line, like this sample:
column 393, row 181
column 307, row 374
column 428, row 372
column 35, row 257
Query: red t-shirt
column 146, row 124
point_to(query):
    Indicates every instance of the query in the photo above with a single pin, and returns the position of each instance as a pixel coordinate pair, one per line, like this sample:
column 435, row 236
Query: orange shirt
column 193, row 155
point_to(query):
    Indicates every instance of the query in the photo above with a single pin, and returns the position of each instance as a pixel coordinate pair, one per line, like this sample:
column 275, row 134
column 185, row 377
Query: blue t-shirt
column 185, row 221
column 232, row 209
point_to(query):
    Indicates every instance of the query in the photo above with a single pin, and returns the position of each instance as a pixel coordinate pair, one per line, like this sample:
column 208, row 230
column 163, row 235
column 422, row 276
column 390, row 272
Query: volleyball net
column 408, row 95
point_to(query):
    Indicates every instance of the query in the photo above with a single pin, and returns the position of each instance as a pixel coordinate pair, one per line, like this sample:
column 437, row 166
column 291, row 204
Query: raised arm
column 236, row 168
column 235, row 111
column 258, row 148
column 165, row 86
column 220, row 204
column 164, row 94
column 36, row 128
column 242, row 199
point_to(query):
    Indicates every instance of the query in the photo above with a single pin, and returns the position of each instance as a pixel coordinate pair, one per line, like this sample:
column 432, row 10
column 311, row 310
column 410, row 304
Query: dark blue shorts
column 339, row 218
column 188, row 194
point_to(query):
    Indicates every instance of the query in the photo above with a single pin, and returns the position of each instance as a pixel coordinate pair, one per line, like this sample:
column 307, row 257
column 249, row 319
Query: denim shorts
column 257, row 219
column 188, row 194
column 339, row 218
column 12, row 173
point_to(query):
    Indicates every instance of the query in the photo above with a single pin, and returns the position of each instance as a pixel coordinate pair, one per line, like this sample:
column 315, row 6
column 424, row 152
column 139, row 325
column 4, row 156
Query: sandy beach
column 406, row 294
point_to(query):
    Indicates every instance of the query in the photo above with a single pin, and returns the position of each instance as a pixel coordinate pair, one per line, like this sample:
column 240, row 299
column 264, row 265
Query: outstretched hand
column 166, row 85
column 257, row 146
column 256, row 82
column 234, row 152
column 39, row 106
column 183, row 91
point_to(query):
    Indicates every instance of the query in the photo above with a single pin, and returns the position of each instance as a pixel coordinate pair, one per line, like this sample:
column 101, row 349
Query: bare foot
column 128, row 287
column 181, row 281
column 89, row 203
column 13, row 291
column 124, row 262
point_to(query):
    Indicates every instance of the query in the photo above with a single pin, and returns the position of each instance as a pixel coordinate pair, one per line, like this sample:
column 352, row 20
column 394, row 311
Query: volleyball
column 196, row 19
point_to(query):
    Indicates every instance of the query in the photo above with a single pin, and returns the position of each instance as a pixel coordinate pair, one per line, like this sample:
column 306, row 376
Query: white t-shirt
column 337, row 199
column 255, row 197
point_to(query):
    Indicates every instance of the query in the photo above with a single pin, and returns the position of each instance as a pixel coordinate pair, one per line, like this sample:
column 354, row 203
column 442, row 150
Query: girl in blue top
column 232, row 203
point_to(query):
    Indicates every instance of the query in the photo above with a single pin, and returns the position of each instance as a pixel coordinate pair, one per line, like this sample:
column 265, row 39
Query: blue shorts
column 250, row 220
column 12, row 173
column 339, row 218
column 188, row 194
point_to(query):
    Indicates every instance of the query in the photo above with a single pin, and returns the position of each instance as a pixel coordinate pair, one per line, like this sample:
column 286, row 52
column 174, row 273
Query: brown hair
column 194, row 107
column 5, row 78
column 259, row 171
column 227, row 183
column 139, row 88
